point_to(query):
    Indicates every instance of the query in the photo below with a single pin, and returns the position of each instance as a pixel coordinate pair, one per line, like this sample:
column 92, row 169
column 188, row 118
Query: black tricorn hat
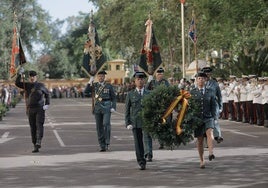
column 160, row 70
column 201, row 74
column 206, row 69
column 139, row 75
column 32, row 73
column 102, row 72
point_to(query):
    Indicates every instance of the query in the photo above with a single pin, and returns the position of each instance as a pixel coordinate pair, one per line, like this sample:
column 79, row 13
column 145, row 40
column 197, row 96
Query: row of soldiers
column 245, row 99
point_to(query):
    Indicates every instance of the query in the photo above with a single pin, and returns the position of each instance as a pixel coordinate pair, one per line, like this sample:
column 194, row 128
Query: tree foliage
column 238, row 28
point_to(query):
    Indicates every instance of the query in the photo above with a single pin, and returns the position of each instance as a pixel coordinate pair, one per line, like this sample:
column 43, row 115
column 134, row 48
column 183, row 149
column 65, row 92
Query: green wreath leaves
column 155, row 105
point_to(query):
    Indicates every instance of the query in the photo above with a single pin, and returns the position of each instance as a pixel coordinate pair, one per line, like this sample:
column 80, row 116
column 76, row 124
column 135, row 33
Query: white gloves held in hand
column 129, row 127
column 91, row 80
column 112, row 110
column 150, row 78
column 45, row 107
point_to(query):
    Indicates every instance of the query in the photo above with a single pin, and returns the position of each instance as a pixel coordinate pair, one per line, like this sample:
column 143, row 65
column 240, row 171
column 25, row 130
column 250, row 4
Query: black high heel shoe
column 210, row 157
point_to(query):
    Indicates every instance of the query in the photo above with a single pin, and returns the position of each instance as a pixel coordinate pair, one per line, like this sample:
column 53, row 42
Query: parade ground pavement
column 70, row 155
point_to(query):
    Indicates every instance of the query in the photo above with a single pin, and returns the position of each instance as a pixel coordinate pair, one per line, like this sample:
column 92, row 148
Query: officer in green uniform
column 205, row 99
column 133, row 119
column 152, row 84
column 104, row 105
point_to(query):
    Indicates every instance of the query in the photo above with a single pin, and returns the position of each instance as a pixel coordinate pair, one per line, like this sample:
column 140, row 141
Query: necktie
column 140, row 92
column 202, row 91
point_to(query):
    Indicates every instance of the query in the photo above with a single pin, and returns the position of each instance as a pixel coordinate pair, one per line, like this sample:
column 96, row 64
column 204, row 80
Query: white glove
column 215, row 121
column 150, row 78
column 45, row 107
column 220, row 110
column 129, row 127
column 112, row 110
column 21, row 70
column 91, row 79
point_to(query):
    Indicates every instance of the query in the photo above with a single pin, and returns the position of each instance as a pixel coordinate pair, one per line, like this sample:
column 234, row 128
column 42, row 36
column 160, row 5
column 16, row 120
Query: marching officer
column 214, row 86
column 104, row 104
column 132, row 116
column 205, row 98
column 152, row 84
column 37, row 101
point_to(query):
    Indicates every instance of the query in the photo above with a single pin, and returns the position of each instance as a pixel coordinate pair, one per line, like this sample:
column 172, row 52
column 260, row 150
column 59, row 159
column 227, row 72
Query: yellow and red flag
column 17, row 54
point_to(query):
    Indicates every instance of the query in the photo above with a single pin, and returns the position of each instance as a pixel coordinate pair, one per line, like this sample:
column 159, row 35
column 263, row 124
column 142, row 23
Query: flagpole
column 182, row 38
column 195, row 48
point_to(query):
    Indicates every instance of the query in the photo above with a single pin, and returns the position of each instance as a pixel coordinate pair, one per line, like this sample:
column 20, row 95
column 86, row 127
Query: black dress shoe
column 219, row 139
column 142, row 166
column 210, row 157
column 202, row 166
column 149, row 159
column 36, row 149
column 102, row 150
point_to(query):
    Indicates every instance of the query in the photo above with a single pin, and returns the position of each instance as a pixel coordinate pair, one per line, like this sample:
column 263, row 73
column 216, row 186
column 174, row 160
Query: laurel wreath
column 154, row 106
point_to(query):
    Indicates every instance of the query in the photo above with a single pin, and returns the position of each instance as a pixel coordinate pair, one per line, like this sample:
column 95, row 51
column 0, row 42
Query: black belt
column 105, row 99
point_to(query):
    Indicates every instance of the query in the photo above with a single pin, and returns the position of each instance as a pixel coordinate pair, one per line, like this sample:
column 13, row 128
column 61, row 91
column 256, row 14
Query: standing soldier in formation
column 258, row 103
column 104, row 104
column 152, row 84
column 250, row 107
column 265, row 101
column 37, row 101
column 230, row 95
column 133, row 119
column 243, row 98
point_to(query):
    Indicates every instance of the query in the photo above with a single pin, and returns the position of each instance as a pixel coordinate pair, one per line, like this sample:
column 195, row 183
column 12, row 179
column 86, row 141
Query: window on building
column 117, row 67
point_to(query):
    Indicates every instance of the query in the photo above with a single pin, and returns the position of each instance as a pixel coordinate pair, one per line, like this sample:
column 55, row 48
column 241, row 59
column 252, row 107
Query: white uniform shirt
column 265, row 94
column 243, row 93
column 257, row 95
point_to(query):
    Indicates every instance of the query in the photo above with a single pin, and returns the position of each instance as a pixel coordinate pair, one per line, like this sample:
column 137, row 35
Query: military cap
column 102, row 72
column 252, row 76
column 219, row 78
column 32, row 73
column 244, row 76
column 201, row 74
column 232, row 76
column 139, row 74
column 265, row 78
column 160, row 70
column 206, row 69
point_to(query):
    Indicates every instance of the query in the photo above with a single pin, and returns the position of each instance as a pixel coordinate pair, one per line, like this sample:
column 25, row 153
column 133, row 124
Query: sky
column 62, row 9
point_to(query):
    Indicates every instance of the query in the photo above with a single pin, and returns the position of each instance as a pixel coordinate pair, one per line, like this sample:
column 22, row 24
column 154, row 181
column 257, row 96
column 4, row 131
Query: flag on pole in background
column 150, row 58
column 93, row 56
column 192, row 31
column 17, row 54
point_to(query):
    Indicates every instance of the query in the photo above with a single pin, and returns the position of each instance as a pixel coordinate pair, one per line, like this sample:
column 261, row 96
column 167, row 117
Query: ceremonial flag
column 17, row 54
column 93, row 56
column 150, row 58
column 192, row 31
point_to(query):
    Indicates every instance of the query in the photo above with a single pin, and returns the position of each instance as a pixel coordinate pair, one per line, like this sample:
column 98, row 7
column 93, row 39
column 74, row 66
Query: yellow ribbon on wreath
column 183, row 98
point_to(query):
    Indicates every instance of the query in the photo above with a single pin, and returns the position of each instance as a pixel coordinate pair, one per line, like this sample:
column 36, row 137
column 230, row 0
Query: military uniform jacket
column 154, row 83
column 105, row 97
column 214, row 86
column 36, row 93
column 133, row 107
column 207, row 103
